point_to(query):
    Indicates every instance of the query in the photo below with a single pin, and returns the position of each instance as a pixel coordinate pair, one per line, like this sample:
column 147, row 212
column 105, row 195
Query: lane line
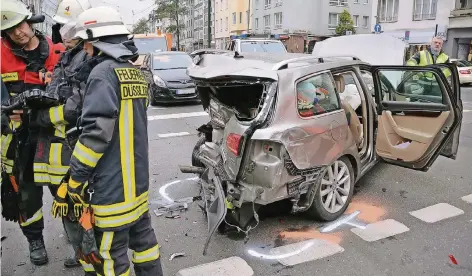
column 175, row 134
column 177, row 116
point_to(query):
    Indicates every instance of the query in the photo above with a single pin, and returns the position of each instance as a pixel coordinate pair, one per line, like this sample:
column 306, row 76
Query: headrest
column 340, row 85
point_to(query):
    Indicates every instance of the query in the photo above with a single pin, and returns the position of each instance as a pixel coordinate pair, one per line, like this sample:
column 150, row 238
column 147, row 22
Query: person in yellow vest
column 431, row 55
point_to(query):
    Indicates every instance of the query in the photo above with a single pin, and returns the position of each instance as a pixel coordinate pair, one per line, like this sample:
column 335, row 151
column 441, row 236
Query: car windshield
column 173, row 61
column 464, row 63
column 263, row 46
column 150, row 45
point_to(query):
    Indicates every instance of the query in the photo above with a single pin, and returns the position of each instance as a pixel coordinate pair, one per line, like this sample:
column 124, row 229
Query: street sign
column 377, row 28
column 348, row 32
column 407, row 35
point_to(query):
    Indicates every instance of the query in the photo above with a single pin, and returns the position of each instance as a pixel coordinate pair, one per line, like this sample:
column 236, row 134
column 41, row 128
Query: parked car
column 168, row 79
column 465, row 70
column 278, row 130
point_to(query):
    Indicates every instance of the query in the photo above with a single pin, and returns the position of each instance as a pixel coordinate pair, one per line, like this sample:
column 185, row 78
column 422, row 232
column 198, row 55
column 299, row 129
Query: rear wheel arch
column 354, row 164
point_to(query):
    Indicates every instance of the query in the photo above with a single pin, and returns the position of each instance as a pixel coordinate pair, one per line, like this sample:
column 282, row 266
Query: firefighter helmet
column 70, row 9
column 98, row 22
column 13, row 13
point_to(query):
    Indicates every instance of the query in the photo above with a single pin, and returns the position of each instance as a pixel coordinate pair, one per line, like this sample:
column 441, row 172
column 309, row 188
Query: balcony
column 463, row 8
column 339, row 3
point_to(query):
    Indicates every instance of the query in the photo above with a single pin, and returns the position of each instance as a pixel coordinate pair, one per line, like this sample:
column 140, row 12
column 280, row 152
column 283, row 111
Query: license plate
column 185, row 91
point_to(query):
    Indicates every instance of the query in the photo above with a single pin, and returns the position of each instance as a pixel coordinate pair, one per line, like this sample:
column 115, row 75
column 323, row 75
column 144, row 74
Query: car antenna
column 237, row 55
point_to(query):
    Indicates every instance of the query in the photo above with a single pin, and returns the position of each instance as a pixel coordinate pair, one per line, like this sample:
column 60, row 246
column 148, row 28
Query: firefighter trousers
column 32, row 228
column 113, row 247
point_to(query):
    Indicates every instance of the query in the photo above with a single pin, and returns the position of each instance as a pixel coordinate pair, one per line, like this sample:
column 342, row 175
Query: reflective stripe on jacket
column 112, row 151
column 53, row 153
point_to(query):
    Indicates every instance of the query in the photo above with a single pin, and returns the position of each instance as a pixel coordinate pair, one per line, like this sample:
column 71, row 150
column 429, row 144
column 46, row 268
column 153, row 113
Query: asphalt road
column 386, row 193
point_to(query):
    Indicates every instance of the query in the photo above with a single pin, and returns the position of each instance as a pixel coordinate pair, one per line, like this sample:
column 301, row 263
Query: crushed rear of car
column 254, row 151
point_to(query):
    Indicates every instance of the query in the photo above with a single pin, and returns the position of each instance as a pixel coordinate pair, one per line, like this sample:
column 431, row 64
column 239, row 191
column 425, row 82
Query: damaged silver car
column 281, row 128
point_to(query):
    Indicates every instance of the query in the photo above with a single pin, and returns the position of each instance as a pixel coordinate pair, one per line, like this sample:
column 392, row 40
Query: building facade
column 195, row 33
column 48, row 9
column 459, row 43
column 239, row 17
column 222, row 13
column 418, row 21
column 318, row 18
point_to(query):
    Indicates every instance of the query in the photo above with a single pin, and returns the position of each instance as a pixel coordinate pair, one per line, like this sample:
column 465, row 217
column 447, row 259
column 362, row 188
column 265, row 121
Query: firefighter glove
column 76, row 192
column 60, row 207
column 10, row 198
column 88, row 250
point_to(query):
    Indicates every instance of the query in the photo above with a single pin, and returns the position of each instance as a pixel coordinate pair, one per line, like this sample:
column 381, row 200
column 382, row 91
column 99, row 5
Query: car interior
column 353, row 113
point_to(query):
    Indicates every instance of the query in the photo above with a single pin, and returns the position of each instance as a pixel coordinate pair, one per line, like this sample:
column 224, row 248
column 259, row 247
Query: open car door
column 418, row 114
column 450, row 71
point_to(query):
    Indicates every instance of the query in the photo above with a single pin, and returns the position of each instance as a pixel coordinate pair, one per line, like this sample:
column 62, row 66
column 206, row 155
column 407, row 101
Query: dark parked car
column 169, row 82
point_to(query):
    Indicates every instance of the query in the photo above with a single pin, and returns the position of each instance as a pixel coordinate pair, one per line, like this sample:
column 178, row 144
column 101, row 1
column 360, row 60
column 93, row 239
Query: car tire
column 322, row 210
column 195, row 161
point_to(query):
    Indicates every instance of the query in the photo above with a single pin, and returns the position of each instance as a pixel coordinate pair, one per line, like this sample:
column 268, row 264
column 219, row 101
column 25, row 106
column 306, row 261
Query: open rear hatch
column 238, row 98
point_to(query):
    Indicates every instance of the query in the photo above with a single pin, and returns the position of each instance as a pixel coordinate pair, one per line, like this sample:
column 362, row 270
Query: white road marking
column 380, row 230
column 163, row 189
column 437, row 212
column 176, row 134
column 306, row 251
column 225, row 267
column 158, row 108
column 466, row 110
column 176, row 116
column 343, row 220
column 467, row 198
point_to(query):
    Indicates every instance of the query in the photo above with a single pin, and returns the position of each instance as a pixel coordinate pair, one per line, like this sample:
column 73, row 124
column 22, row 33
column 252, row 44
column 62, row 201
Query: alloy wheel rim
column 335, row 187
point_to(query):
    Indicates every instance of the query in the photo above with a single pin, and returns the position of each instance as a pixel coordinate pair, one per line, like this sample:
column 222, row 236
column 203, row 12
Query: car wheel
column 334, row 192
column 195, row 161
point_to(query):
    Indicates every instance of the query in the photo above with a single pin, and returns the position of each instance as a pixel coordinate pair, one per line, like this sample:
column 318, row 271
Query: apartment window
column 278, row 3
column 267, row 4
column 355, row 19
column 356, row 1
column 221, row 24
column 257, row 4
column 226, row 23
column 256, row 23
column 221, row 6
column 365, row 22
column 366, row 1
column 240, row 17
column 388, row 10
column 338, row 2
column 464, row 4
column 333, row 20
column 267, row 21
column 234, row 18
column 278, row 20
column 425, row 9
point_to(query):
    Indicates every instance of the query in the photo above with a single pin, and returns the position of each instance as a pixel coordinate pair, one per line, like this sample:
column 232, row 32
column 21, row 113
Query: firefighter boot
column 38, row 254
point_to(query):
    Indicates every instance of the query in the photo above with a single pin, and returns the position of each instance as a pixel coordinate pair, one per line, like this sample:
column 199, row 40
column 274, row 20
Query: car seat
column 354, row 123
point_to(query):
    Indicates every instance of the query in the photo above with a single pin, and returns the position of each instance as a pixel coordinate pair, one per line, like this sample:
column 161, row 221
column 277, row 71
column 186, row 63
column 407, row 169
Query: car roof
column 265, row 65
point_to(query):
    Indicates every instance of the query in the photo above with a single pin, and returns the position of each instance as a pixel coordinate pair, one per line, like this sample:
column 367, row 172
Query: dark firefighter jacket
column 20, row 74
column 53, row 152
column 112, row 151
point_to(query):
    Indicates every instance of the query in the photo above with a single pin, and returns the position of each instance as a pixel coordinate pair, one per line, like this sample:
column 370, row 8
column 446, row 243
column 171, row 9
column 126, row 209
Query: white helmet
column 70, row 9
column 98, row 22
column 13, row 13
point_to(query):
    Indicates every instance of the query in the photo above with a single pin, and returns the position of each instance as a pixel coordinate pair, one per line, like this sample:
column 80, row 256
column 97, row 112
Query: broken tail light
column 465, row 72
column 234, row 142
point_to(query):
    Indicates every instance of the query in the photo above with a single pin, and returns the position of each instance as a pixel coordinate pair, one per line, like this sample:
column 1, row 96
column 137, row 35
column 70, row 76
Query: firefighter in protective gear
column 109, row 168
column 67, row 10
column 25, row 53
column 56, row 122
column 432, row 55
